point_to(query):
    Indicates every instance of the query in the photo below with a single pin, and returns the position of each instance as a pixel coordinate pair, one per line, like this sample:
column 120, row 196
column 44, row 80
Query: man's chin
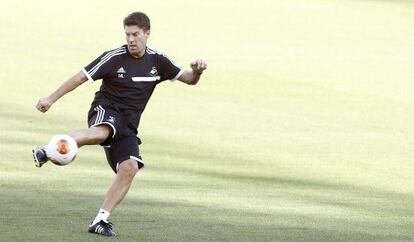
column 134, row 51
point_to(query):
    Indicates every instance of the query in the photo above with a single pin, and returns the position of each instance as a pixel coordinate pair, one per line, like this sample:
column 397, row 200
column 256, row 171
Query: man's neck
column 138, row 55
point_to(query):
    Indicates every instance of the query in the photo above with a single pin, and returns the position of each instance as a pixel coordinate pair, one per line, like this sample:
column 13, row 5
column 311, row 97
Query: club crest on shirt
column 121, row 71
column 153, row 71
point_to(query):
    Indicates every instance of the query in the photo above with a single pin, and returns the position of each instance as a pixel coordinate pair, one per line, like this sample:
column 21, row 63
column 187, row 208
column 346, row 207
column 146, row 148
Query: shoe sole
column 93, row 232
column 37, row 163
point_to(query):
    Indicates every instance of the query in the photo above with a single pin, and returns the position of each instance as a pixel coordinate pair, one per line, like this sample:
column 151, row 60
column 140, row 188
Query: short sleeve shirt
column 128, row 82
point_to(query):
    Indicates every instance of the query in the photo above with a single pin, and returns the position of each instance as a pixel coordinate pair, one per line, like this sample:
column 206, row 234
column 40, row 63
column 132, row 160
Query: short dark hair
column 139, row 19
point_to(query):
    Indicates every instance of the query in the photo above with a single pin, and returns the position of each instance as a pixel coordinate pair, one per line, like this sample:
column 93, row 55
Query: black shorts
column 122, row 150
column 122, row 144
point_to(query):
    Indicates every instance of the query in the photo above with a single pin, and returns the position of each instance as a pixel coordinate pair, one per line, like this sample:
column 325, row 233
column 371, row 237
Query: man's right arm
column 45, row 103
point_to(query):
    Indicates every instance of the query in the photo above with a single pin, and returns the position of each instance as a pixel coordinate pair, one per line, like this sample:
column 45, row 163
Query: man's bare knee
column 100, row 133
column 128, row 168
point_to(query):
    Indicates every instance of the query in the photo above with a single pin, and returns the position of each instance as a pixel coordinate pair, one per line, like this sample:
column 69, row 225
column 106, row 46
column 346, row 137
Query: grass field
column 300, row 130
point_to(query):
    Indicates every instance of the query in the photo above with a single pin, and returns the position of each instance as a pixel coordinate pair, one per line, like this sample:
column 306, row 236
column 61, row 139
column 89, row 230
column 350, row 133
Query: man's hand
column 44, row 104
column 192, row 76
column 198, row 66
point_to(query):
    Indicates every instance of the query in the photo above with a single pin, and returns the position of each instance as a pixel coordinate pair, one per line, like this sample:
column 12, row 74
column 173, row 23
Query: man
column 130, row 74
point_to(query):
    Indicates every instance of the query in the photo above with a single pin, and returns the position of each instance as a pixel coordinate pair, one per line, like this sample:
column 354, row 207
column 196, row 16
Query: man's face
column 136, row 40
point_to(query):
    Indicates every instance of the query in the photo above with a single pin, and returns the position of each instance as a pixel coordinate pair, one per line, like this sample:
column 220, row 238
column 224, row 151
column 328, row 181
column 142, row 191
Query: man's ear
column 147, row 33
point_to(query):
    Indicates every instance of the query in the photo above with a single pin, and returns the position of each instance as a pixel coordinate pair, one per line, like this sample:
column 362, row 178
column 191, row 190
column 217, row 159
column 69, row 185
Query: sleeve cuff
column 178, row 75
column 87, row 75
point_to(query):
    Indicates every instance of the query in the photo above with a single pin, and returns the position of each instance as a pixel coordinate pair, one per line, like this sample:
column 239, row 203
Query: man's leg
column 119, row 188
column 121, row 184
column 91, row 136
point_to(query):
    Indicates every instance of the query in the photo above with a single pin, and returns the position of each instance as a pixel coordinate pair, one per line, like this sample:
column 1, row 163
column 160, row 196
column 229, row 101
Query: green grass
column 300, row 130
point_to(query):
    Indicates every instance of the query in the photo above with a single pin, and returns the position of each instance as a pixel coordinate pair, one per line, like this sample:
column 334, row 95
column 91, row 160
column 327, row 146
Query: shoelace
column 109, row 224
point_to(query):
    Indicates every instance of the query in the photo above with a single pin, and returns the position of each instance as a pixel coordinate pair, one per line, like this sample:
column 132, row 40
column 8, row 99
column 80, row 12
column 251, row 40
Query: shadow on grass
column 32, row 213
column 366, row 211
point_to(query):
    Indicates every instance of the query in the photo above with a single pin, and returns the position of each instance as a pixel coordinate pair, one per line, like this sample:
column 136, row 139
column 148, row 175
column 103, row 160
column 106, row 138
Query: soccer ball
column 61, row 150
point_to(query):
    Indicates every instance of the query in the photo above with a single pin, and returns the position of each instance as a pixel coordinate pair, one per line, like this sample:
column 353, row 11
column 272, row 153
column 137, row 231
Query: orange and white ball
column 62, row 149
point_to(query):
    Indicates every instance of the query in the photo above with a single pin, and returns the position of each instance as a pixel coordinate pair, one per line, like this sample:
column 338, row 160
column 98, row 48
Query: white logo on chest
column 121, row 71
column 153, row 71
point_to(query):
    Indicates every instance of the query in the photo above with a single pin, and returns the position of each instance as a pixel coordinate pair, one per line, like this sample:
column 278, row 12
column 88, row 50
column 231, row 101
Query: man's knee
column 128, row 168
column 100, row 133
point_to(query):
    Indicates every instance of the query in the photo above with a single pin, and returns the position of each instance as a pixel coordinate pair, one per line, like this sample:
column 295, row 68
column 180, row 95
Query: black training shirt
column 128, row 82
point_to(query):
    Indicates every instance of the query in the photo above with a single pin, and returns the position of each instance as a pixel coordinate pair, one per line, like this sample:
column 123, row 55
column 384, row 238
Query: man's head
column 137, row 30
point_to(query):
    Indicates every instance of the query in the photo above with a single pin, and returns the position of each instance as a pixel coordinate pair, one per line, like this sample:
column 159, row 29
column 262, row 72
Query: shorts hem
column 140, row 162
column 112, row 126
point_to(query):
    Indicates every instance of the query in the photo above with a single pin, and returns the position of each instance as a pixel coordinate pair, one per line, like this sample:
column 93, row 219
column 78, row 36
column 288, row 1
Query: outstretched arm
column 45, row 103
column 192, row 76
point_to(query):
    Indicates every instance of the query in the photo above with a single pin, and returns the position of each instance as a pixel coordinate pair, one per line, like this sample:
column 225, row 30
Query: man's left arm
column 191, row 77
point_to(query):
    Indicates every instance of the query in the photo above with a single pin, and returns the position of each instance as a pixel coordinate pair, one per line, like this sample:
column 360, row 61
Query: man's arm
column 192, row 76
column 45, row 103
